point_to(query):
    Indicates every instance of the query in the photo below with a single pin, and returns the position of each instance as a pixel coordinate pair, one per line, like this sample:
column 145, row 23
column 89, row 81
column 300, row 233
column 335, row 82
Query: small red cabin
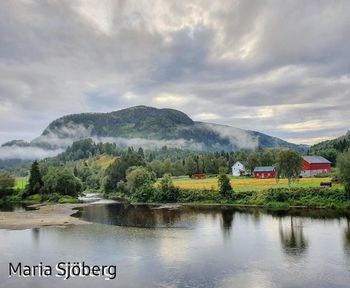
column 198, row 176
column 315, row 165
column 264, row 172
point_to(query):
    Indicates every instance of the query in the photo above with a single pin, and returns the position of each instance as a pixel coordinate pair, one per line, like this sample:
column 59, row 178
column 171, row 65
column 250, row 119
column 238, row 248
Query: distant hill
column 150, row 128
column 340, row 144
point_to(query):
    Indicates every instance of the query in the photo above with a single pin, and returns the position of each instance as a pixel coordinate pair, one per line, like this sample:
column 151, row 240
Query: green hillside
column 340, row 144
column 152, row 127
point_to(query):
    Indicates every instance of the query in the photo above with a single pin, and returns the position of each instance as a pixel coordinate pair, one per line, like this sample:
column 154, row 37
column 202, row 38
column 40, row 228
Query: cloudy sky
column 279, row 67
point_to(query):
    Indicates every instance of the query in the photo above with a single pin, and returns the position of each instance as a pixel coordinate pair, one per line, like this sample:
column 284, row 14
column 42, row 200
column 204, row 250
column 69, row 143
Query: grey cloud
column 26, row 153
column 150, row 144
column 236, row 136
column 230, row 58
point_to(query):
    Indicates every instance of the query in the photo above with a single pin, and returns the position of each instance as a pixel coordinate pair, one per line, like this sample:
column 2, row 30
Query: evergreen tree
column 35, row 184
column 141, row 153
column 190, row 166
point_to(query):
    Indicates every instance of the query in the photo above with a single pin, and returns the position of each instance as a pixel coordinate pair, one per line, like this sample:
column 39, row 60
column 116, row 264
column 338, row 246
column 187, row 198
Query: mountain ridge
column 149, row 126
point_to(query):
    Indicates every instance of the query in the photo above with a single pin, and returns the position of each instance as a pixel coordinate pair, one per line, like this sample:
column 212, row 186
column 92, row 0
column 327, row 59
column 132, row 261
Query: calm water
column 190, row 247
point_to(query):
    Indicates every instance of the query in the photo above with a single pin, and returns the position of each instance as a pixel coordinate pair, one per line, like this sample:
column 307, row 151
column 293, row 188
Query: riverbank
column 313, row 197
column 46, row 215
column 61, row 214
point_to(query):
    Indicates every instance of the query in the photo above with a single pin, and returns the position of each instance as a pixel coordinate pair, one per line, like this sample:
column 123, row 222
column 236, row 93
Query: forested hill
column 340, row 144
column 149, row 127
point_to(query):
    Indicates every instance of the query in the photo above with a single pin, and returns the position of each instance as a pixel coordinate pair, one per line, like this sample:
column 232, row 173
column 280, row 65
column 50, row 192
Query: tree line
column 143, row 174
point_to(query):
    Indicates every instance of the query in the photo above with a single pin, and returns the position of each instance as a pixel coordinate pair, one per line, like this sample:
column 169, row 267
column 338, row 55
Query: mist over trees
column 145, row 175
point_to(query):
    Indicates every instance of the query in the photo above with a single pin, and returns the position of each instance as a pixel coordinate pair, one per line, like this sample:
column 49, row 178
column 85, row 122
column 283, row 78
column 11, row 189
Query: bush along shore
column 139, row 189
column 166, row 192
column 57, row 186
column 280, row 198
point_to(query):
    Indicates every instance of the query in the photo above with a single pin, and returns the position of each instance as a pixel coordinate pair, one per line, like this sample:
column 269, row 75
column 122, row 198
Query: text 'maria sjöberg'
column 64, row 270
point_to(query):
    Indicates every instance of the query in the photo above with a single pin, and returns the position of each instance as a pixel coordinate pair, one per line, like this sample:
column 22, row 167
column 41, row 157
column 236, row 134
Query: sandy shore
column 48, row 215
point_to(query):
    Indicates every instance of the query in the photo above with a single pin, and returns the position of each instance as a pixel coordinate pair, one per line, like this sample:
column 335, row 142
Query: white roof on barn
column 316, row 160
column 264, row 169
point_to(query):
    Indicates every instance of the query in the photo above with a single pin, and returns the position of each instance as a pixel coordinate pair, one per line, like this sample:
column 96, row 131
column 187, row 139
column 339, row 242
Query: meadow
column 239, row 184
column 243, row 184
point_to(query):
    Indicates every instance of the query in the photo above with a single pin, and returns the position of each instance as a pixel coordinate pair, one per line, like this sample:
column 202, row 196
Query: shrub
column 189, row 195
column 310, row 197
column 54, row 197
column 144, row 193
column 136, row 178
column 34, row 198
column 7, row 182
column 13, row 198
column 121, row 187
column 68, row 199
column 166, row 191
column 224, row 186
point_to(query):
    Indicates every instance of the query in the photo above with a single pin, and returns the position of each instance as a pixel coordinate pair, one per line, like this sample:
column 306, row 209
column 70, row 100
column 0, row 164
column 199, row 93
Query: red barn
column 264, row 172
column 315, row 165
column 198, row 176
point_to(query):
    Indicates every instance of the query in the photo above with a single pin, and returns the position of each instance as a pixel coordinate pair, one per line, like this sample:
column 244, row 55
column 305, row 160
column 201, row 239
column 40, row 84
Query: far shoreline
column 47, row 215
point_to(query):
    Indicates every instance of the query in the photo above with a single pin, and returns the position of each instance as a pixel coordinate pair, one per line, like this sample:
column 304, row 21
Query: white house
column 238, row 169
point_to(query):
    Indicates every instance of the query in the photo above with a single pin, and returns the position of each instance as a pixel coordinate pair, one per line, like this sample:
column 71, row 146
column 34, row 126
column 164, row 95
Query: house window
column 268, row 174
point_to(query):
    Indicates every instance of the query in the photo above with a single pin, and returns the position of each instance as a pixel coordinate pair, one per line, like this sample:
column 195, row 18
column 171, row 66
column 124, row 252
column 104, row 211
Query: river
column 188, row 246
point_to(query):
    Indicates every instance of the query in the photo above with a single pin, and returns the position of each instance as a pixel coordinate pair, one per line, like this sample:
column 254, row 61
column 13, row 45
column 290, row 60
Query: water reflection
column 227, row 220
column 347, row 236
column 143, row 216
column 292, row 237
column 35, row 234
column 197, row 256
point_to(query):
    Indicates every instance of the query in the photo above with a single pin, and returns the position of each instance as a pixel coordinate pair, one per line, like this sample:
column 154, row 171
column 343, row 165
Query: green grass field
column 21, row 183
column 249, row 183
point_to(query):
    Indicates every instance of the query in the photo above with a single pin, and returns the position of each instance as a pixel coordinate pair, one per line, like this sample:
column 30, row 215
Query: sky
column 278, row 67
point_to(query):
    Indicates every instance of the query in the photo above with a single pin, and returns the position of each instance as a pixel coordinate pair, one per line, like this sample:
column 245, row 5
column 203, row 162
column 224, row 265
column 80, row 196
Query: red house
column 264, row 172
column 315, row 165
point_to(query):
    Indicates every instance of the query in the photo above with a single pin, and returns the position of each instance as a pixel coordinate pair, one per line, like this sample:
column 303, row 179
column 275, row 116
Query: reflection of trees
column 227, row 220
column 347, row 236
column 148, row 216
column 133, row 216
column 292, row 239
column 256, row 216
column 35, row 234
column 144, row 216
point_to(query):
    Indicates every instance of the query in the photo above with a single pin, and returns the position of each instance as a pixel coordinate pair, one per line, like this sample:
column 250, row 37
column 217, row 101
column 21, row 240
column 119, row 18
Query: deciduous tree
column 225, row 187
column 343, row 164
column 288, row 165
